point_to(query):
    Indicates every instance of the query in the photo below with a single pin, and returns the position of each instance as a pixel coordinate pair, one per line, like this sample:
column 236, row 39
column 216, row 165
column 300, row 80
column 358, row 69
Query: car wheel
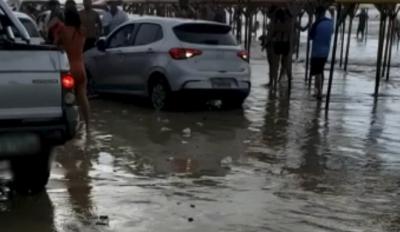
column 31, row 174
column 233, row 103
column 160, row 95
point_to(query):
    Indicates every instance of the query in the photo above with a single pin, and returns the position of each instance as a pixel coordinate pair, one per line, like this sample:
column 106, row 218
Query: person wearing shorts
column 321, row 35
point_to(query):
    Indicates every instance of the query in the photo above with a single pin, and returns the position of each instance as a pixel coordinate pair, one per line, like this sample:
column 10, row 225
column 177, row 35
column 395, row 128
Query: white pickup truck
column 37, row 104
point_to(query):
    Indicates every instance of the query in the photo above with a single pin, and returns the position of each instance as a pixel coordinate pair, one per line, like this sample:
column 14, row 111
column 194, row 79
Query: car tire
column 31, row 174
column 233, row 103
column 160, row 94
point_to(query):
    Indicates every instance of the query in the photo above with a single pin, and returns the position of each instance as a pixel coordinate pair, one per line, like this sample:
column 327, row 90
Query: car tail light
column 184, row 53
column 244, row 55
column 67, row 81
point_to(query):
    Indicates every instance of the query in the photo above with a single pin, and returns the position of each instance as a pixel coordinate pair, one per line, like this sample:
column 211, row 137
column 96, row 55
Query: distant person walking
column 91, row 23
column 321, row 35
column 362, row 24
column 118, row 16
column 281, row 29
column 55, row 22
column 72, row 39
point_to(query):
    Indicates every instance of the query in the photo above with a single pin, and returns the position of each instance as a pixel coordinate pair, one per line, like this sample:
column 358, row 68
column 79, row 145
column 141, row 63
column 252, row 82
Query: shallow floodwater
column 280, row 164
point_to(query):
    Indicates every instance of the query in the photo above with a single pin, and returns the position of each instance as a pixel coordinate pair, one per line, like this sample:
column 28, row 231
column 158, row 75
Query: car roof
column 169, row 21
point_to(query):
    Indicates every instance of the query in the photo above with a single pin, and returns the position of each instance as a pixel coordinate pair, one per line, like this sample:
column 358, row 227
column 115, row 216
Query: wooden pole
column 335, row 40
column 348, row 42
column 298, row 38
column 390, row 48
column 307, row 78
column 366, row 29
column 380, row 52
column 342, row 41
column 246, row 29
column 250, row 33
column 386, row 42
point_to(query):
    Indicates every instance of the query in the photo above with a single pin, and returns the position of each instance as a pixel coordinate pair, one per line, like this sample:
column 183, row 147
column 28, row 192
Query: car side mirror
column 101, row 44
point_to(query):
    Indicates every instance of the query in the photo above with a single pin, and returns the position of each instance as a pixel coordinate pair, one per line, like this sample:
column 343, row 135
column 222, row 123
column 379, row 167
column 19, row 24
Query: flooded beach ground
column 280, row 164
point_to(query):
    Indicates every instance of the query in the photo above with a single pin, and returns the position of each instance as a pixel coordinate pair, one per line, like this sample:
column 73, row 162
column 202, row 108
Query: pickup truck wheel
column 31, row 174
column 160, row 95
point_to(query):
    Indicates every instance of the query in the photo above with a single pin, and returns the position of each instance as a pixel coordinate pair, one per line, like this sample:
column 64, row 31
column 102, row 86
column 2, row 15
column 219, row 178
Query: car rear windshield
column 30, row 27
column 210, row 34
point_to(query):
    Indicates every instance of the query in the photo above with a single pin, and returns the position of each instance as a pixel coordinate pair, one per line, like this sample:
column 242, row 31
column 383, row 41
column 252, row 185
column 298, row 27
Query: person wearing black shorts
column 317, row 70
column 321, row 35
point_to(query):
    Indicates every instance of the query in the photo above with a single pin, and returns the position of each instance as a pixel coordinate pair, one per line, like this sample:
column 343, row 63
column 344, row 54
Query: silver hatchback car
column 169, row 59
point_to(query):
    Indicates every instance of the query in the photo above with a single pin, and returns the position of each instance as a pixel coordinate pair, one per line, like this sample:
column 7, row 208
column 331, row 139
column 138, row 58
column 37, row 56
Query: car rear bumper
column 48, row 131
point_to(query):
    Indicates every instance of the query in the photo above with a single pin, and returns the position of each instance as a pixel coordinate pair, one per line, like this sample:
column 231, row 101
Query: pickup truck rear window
column 30, row 27
column 203, row 33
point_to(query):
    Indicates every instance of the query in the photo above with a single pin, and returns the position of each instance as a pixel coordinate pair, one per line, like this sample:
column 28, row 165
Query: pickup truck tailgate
column 30, row 85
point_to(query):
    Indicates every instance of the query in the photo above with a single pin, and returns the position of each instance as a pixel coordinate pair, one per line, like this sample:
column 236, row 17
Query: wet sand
column 280, row 164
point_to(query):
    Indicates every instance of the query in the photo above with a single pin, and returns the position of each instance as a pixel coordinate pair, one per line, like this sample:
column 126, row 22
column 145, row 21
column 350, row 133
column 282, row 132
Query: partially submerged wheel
column 31, row 174
column 160, row 94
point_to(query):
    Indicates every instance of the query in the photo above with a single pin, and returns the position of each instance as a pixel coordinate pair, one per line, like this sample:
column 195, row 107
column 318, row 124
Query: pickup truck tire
column 31, row 174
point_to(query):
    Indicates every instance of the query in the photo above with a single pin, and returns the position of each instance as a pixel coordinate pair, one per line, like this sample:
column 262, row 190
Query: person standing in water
column 362, row 24
column 118, row 16
column 91, row 23
column 72, row 39
column 321, row 36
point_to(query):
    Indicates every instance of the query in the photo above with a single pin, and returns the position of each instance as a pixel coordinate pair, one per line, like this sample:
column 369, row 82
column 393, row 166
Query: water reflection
column 75, row 160
column 33, row 213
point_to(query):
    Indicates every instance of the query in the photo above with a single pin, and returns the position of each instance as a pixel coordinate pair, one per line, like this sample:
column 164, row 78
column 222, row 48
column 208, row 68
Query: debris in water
column 165, row 129
column 226, row 162
column 192, row 206
column 190, row 219
column 103, row 220
column 199, row 124
column 187, row 132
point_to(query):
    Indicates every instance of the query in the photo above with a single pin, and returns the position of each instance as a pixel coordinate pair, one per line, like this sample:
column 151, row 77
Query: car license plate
column 221, row 84
column 19, row 144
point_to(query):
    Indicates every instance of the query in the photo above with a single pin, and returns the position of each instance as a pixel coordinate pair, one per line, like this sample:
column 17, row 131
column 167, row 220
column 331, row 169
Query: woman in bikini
column 71, row 38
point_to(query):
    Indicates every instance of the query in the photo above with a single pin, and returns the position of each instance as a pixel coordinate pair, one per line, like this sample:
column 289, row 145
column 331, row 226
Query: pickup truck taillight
column 68, row 85
column 184, row 53
column 67, row 81
column 244, row 55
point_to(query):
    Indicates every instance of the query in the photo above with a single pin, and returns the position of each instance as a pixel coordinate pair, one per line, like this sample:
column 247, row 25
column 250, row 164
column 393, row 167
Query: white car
column 30, row 27
column 161, row 58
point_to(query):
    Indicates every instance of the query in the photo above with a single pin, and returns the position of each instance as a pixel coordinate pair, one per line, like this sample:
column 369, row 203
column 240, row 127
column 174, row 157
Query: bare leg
column 273, row 72
column 83, row 103
column 284, row 67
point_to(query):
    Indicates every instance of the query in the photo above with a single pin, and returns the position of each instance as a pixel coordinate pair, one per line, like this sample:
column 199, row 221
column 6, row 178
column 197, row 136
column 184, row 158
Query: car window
column 148, row 33
column 30, row 27
column 210, row 34
column 122, row 38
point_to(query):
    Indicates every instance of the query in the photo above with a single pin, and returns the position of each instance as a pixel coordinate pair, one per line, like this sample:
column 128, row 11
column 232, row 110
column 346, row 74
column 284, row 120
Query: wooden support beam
column 380, row 48
column 342, row 40
column 333, row 59
column 353, row 9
